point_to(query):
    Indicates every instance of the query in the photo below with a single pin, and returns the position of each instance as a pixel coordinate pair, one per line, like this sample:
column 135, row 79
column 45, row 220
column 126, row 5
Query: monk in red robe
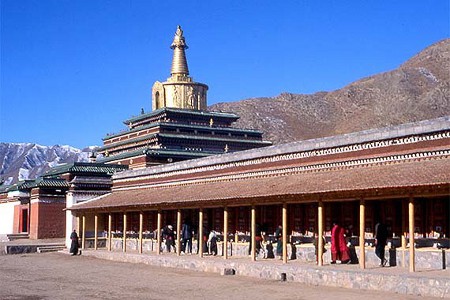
column 339, row 249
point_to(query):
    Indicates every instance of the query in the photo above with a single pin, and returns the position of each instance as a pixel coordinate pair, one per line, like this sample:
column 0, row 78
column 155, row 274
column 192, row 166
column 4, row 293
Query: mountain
column 27, row 161
column 419, row 89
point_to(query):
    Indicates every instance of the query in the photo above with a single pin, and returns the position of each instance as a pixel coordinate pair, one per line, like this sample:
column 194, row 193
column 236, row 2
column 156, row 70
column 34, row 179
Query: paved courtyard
column 61, row 276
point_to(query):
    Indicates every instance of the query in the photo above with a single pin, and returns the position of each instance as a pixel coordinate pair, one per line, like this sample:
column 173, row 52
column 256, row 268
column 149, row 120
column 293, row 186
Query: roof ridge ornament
column 179, row 62
column 178, row 40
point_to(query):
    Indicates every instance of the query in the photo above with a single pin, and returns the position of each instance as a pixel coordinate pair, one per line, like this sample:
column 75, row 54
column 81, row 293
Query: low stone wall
column 20, row 249
column 425, row 258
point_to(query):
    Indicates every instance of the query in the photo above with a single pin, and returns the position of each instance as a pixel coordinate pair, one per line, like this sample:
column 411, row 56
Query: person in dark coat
column 258, row 239
column 186, row 235
column 212, row 243
column 169, row 236
column 74, row 245
column 279, row 238
column 381, row 235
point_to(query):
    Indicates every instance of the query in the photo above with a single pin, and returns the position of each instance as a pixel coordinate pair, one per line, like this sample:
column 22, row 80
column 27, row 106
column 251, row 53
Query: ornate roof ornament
column 179, row 62
column 180, row 90
column 178, row 40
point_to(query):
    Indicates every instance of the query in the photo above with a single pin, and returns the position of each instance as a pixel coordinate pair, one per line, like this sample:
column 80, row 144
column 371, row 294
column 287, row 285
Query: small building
column 36, row 207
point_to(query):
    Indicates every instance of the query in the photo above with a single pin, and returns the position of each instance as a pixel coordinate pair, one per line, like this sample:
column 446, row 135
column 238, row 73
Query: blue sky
column 73, row 70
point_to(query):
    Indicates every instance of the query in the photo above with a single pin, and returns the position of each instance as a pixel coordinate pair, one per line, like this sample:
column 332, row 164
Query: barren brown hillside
column 419, row 89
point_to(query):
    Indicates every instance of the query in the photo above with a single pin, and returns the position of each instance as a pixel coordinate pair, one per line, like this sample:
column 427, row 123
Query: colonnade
column 284, row 214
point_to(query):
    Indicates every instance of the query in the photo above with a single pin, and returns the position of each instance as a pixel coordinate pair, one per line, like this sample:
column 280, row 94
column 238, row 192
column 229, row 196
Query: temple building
column 180, row 127
column 398, row 175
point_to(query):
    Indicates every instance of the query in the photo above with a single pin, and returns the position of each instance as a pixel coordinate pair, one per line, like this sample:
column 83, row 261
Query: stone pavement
column 427, row 283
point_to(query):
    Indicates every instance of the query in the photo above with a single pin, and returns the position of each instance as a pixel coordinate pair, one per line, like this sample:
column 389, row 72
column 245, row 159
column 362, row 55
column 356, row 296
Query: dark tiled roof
column 4, row 188
column 184, row 136
column 179, row 125
column 14, row 187
column 129, row 141
column 182, row 111
column 79, row 167
column 214, row 138
column 157, row 152
column 45, row 182
column 353, row 181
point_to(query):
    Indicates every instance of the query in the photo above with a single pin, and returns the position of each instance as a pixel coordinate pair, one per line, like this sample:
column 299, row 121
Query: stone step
column 17, row 236
column 52, row 248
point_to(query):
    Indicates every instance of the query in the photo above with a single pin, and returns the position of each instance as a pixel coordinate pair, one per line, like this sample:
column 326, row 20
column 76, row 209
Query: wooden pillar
column 178, row 243
column 124, row 237
column 404, row 231
column 320, row 233
column 158, row 233
column 362, row 227
column 412, row 266
column 109, row 232
column 225, row 233
column 284, row 229
column 78, row 225
column 200, row 232
column 95, row 231
column 141, row 221
column 83, row 234
column 253, row 233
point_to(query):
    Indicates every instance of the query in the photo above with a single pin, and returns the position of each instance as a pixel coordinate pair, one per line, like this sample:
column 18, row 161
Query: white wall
column 7, row 217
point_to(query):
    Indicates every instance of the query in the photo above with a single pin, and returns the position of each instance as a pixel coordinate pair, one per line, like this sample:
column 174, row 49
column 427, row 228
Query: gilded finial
column 179, row 62
column 178, row 40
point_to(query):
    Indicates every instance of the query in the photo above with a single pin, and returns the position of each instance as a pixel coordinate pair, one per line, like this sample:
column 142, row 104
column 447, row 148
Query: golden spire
column 179, row 62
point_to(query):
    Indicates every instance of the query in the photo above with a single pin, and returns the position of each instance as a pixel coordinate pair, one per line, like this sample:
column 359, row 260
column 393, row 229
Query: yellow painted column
column 362, row 227
column 253, row 233
column 404, row 233
column 78, row 225
column 158, row 233
column 95, row 231
column 109, row 232
column 178, row 232
column 320, row 234
column 141, row 221
column 200, row 233
column 124, row 247
column 225, row 233
column 284, row 229
column 412, row 265
column 83, row 238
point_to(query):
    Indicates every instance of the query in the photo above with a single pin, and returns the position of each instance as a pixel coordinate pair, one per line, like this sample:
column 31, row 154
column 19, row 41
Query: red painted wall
column 48, row 220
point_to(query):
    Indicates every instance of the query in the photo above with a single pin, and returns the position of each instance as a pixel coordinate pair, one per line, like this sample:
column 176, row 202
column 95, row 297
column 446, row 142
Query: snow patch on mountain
column 21, row 161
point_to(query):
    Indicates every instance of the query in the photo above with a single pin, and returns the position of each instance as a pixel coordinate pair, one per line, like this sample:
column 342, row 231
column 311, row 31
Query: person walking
column 316, row 246
column 380, row 242
column 74, row 244
column 212, row 243
column 339, row 249
column 169, row 236
column 279, row 238
column 186, row 235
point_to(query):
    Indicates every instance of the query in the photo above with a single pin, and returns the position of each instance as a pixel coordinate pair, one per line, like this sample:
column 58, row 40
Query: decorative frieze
column 309, row 154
